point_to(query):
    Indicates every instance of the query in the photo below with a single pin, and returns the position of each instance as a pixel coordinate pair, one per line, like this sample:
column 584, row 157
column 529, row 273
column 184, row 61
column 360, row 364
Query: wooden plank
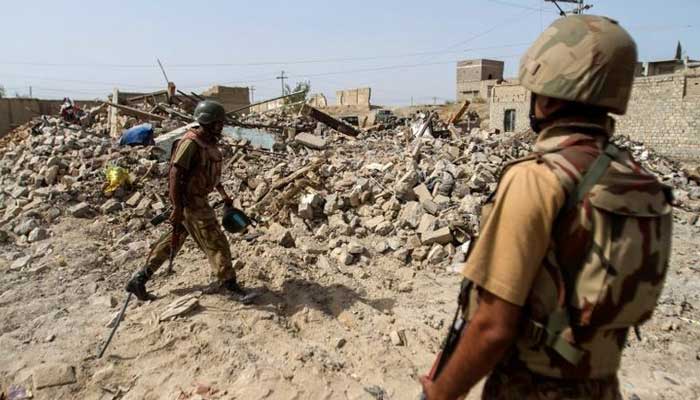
column 232, row 112
column 458, row 115
column 134, row 112
column 114, row 115
column 324, row 118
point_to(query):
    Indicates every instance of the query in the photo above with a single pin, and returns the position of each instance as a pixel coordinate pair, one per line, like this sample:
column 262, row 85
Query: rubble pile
column 329, row 196
column 684, row 180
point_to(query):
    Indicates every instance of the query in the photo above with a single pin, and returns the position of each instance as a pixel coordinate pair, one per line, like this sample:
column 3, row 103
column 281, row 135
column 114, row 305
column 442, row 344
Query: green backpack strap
column 592, row 176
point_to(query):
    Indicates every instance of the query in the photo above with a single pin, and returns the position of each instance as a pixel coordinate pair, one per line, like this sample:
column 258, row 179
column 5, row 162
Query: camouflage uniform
column 203, row 174
column 603, row 261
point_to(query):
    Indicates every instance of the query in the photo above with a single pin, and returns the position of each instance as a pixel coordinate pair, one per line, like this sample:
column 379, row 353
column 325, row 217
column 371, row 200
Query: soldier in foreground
column 574, row 244
column 195, row 171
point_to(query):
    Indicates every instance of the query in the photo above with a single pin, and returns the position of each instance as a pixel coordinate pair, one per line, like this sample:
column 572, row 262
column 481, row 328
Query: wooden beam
column 334, row 123
column 261, row 102
column 114, row 116
column 458, row 115
column 134, row 112
column 144, row 96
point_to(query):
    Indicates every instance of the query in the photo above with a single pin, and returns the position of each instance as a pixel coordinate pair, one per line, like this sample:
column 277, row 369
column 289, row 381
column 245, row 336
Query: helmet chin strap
column 535, row 123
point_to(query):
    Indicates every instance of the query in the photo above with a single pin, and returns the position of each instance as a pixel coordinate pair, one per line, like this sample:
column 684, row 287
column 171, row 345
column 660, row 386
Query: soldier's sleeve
column 185, row 153
column 515, row 238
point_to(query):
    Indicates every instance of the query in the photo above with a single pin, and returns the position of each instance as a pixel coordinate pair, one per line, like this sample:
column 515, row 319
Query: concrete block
column 440, row 236
column 53, row 375
column 312, row 141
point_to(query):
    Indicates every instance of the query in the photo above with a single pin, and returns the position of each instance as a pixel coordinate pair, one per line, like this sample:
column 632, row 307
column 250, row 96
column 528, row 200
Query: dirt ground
column 318, row 331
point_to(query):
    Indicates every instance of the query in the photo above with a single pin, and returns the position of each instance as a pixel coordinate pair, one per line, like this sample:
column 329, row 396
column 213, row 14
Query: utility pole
column 31, row 97
column 252, row 94
column 434, row 100
column 282, row 78
column 411, row 101
column 581, row 6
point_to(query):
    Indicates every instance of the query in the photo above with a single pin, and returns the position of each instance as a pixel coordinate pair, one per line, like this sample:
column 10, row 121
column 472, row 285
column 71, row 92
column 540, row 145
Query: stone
column 355, row 248
column 19, row 191
column 692, row 219
column 26, row 226
column 422, row 192
column 310, row 206
column 420, row 253
column 110, row 206
column 437, row 254
column 51, row 174
column 37, row 234
column 402, row 255
column 311, row 141
column 381, row 247
column 21, row 263
column 384, row 228
column 312, row 247
column 49, row 375
column 440, row 236
column 372, row 223
column 411, row 214
column 134, row 199
column 180, row 307
column 340, row 342
column 52, row 214
column 404, row 187
column 281, row 235
column 397, row 338
column 427, row 223
column 430, row 206
column 105, row 301
column 80, row 210
column 344, row 257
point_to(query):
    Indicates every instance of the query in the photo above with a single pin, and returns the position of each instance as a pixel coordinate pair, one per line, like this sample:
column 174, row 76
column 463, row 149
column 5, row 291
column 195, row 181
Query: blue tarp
column 140, row 135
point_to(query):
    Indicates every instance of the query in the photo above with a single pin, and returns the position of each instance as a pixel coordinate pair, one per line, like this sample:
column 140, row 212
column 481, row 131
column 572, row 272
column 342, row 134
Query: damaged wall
column 16, row 111
column 664, row 113
column 230, row 97
column 511, row 99
column 354, row 97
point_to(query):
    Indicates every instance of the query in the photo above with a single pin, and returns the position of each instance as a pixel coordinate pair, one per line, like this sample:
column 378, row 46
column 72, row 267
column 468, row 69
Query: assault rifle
column 459, row 323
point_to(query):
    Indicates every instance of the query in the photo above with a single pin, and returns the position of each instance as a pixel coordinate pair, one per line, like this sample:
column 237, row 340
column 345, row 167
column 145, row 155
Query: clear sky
column 401, row 49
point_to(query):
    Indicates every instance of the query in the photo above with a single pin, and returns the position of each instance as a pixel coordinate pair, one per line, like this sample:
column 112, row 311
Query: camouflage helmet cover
column 209, row 111
column 582, row 58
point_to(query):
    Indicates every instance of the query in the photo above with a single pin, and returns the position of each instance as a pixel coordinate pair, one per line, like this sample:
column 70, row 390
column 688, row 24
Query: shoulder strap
column 592, row 176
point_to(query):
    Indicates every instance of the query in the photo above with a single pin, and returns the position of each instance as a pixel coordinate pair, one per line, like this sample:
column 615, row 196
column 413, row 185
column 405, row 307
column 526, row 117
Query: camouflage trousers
column 204, row 228
column 522, row 384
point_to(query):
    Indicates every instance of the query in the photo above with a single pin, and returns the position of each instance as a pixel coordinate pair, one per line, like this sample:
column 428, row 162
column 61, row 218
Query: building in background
column 230, row 97
column 476, row 78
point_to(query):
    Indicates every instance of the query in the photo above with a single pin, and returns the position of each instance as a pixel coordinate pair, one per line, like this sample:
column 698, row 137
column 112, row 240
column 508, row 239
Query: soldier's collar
column 570, row 131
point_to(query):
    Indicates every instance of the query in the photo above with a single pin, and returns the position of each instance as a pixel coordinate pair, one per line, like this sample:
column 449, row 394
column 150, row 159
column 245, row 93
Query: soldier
column 195, row 171
column 575, row 243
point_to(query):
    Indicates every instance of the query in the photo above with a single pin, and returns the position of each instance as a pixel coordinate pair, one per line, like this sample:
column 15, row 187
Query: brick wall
column 663, row 113
column 665, row 116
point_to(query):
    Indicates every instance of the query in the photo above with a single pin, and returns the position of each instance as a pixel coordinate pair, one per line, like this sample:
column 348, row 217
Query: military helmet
column 234, row 220
column 582, row 58
column 209, row 111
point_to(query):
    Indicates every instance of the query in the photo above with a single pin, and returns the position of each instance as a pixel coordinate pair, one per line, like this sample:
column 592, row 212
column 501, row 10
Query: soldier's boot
column 137, row 285
column 238, row 292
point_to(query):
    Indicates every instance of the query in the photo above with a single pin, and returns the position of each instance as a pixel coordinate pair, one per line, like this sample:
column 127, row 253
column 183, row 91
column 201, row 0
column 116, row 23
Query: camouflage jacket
column 607, row 258
column 205, row 173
